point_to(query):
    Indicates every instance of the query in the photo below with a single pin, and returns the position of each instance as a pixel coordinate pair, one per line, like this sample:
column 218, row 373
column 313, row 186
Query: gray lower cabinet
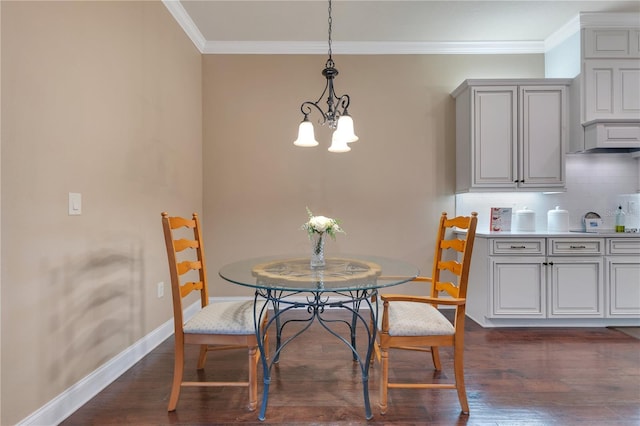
column 623, row 277
column 554, row 281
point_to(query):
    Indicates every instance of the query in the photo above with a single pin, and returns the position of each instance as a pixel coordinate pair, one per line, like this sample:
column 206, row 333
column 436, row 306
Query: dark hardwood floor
column 526, row 376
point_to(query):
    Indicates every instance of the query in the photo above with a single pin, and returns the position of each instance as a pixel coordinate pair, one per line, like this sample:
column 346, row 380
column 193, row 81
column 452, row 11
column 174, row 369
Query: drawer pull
column 518, row 247
column 578, row 247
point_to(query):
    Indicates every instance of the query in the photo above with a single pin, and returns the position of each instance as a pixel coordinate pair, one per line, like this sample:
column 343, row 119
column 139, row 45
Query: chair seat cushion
column 224, row 318
column 415, row 319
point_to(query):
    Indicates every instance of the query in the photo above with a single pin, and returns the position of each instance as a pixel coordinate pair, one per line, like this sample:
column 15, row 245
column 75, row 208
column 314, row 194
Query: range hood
column 610, row 135
column 604, row 96
column 606, row 132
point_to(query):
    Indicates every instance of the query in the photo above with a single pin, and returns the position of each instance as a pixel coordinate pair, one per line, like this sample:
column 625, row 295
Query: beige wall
column 101, row 98
column 111, row 99
column 388, row 191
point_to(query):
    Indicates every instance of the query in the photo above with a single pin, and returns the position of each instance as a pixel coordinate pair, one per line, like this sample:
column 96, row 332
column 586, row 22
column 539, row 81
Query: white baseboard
column 65, row 404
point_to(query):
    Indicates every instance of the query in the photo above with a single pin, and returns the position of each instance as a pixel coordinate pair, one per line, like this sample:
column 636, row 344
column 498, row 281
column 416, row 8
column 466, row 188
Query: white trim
column 372, row 48
column 184, row 20
column 563, row 33
column 78, row 394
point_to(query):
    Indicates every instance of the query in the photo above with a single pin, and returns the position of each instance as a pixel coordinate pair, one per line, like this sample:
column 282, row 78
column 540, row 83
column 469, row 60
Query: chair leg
column 254, row 356
column 202, row 358
column 384, row 378
column 458, row 368
column 435, row 356
column 375, row 353
column 178, row 367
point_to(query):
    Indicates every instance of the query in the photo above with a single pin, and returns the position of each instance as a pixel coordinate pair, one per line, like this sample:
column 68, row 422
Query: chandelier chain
column 330, row 22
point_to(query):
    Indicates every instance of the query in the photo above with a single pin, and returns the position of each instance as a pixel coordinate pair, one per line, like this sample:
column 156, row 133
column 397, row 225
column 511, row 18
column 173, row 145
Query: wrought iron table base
column 315, row 305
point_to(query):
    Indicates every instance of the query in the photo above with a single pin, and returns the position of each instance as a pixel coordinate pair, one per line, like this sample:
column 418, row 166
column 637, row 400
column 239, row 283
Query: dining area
column 319, row 286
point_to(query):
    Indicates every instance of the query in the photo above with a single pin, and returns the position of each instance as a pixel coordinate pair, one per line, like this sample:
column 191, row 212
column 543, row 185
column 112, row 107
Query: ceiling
column 394, row 26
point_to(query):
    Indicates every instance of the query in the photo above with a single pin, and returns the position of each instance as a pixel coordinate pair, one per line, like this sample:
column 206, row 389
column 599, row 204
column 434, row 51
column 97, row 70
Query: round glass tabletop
column 341, row 273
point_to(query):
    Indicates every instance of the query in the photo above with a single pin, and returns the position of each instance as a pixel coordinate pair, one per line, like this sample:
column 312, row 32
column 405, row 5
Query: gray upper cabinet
column 511, row 135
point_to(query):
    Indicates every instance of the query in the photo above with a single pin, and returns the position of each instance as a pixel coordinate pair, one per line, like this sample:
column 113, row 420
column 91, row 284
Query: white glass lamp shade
column 345, row 128
column 306, row 136
column 338, row 143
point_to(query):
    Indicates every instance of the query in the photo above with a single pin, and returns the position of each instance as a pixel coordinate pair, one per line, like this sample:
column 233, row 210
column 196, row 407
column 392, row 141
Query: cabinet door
column 494, row 137
column 517, row 287
column 623, row 277
column 610, row 43
column 612, row 89
column 576, row 287
column 543, row 124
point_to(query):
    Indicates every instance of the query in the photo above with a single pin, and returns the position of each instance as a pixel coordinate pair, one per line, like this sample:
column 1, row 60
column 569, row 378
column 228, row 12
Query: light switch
column 75, row 203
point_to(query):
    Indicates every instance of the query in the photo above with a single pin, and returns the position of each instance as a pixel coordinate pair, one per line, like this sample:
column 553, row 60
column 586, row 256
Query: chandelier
column 337, row 117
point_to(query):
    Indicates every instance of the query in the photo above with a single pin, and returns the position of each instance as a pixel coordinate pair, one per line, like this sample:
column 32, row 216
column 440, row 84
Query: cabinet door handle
column 578, row 247
column 518, row 247
column 547, row 263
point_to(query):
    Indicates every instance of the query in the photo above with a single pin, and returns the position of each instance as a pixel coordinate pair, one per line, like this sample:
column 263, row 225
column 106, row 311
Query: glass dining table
column 288, row 282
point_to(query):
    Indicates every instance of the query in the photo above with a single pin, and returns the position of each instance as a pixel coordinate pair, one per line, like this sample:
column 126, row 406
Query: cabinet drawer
column 623, row 246
column 577, row 247
column 518, row 247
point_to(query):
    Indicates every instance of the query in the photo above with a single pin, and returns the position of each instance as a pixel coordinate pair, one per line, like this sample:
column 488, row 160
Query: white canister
column 558, row 220
column 525, row 220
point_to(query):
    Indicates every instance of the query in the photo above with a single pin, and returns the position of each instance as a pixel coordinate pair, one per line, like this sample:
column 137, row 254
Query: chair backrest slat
column 176, row 222
column 183, row 244
column 187, row 288
column 188, row 265
column 455, row 244
column 450, row 265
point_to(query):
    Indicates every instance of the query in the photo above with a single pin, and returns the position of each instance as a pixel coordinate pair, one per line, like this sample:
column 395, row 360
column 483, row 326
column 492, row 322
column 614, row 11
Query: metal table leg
column 315, row 305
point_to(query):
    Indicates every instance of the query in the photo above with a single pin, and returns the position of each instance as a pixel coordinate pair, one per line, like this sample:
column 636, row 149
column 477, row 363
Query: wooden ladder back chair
column 220, row 325
column 414, row 322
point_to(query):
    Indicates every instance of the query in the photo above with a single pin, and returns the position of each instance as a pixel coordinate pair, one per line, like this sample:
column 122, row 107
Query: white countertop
column 542, row 234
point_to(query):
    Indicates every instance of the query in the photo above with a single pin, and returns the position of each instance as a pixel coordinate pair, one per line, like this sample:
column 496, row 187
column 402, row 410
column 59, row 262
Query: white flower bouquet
column 322, row 224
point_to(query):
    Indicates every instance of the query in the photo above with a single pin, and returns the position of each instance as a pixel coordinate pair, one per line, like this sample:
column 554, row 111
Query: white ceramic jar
column 525, row 220
column 558, row 220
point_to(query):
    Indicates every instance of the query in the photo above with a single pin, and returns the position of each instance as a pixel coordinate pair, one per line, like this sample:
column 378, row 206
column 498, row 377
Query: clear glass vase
column 317, row 250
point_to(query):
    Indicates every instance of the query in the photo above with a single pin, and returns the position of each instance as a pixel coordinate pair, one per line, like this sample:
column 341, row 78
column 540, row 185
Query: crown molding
column 563, row 33
column 372, row 48
column 184, row 20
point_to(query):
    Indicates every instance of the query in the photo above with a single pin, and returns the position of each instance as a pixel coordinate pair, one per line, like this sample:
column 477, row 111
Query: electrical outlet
column 160, row 289
column 631, row 207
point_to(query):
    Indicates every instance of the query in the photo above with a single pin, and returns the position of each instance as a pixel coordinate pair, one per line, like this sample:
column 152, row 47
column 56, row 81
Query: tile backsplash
column 595, row 182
